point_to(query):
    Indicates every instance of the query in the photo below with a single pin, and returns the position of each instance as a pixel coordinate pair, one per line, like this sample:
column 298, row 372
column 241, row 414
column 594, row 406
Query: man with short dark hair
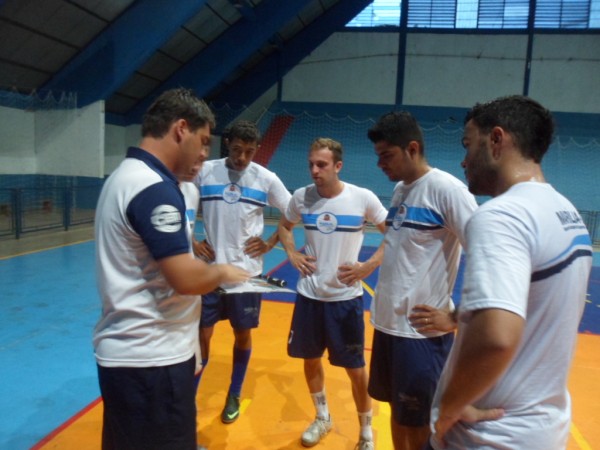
column 529, row 258
column 412, row 308
column 234, row 192
column 145, row 339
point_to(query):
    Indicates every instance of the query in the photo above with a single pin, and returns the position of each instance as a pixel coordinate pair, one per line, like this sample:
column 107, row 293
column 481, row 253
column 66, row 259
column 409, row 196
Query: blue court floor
column 48, row 308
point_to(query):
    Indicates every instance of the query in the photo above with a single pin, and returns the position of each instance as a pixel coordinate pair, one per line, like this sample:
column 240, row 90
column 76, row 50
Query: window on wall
column 482, row 14
column 377, row 14
column 567, row 14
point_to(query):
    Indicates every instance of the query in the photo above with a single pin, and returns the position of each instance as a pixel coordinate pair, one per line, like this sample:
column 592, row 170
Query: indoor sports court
column 76, row 77
column 50, row 390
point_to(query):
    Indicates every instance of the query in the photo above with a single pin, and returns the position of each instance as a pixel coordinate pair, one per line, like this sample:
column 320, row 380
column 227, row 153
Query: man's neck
column 331, row 191
column 417, row 173
column 523, row 171
column 161, row 149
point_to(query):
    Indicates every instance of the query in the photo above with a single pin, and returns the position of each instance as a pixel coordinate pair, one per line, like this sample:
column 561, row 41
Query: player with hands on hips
column 234, row 192
column 329, row 309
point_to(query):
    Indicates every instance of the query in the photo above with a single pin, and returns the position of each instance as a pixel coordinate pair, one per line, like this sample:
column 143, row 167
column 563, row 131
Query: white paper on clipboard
column 255, row 285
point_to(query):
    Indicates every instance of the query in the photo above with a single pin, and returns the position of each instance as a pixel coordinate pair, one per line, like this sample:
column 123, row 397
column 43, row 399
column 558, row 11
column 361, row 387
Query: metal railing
column 29, row 210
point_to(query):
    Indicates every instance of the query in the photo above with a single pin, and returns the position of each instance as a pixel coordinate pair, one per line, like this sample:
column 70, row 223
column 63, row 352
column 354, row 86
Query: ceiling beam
column 104, row 65
column 222, row 56
column 245, row 8
column 250, row 87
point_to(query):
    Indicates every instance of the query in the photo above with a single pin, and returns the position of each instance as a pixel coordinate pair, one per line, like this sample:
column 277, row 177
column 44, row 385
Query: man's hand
column 470, row 415
column 255, row 247
column 203, row 250
column 424, row 318
column 305, row 264
column 351, row 273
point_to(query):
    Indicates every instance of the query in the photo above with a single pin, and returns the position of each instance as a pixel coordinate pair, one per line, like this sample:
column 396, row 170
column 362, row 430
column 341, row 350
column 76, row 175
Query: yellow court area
column 276, row 406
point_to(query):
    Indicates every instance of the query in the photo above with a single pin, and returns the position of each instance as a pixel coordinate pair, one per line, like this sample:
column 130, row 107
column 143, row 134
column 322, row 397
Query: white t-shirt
column 191, row 195
column 334, row 231
column 140, row 219
column 422, row 246
column 529, row 253
column 232, row 209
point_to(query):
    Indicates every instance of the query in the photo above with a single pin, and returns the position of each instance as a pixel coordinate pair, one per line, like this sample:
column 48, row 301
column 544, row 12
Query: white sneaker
column 364, row 444
column 315, row 431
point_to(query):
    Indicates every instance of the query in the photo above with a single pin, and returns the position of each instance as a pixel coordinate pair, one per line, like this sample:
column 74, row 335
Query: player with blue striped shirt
column 529, row 257
column 412, row 308
column 234, row 192
column 328, row 313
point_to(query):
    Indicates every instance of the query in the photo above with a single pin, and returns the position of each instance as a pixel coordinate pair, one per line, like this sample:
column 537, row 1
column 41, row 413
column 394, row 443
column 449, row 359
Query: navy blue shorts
column 242, row 310
column 337, row 326
column 149, row 408
column 404, row 372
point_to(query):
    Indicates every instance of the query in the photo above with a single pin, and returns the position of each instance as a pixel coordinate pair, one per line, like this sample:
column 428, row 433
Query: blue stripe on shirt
column 345, row 223
column 557, row 268
column 248, row 195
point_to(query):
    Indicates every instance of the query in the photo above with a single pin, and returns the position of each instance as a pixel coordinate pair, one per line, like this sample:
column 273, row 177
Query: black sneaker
column 232, row 409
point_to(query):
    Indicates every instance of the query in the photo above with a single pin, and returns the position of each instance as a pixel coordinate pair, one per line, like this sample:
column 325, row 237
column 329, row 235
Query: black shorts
column 336, row 326
column 404, row 372
column 150, row 408
column 242, row 310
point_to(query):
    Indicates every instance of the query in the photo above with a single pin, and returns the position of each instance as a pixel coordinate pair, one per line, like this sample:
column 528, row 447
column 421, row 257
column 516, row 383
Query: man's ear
column 414, row 149
column 497, row 136
column 178, row 128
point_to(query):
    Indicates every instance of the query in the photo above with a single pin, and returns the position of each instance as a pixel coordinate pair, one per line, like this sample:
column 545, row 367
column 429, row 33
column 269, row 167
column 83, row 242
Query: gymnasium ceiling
column 128, row 51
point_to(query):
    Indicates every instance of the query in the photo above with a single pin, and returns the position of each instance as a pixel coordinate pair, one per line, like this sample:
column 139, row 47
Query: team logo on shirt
column 232, row 193
column 166, row 219
column 399, row 217
column 326, row 223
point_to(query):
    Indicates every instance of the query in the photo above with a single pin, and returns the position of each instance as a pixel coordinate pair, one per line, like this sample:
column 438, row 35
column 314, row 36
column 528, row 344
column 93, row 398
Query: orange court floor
column 276, row 406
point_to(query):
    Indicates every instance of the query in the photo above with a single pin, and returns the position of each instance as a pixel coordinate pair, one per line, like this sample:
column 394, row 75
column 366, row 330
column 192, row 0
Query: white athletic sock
column 365, row 419
column 320, row 402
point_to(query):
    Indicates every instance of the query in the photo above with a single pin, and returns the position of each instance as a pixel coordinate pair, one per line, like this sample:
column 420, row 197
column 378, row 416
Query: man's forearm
column 286, row 238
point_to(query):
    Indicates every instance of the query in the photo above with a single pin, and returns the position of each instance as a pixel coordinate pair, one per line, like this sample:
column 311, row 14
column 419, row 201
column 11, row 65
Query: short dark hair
column 397, row 128
column 334, row 146
column 530, row 124
column 245, row 131
column 172, row 105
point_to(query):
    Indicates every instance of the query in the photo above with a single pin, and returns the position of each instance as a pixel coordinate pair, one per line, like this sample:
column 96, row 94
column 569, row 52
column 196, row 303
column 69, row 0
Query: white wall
column 461, row 70
column 70, row 143
column 450, row 70
column 565, row 72
column 347, row 68
column 118, row 139
column 17, row 146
